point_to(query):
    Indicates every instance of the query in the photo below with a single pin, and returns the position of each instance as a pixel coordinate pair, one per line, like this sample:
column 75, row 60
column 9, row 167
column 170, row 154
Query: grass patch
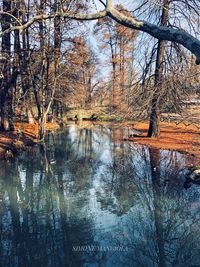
column 110, row 118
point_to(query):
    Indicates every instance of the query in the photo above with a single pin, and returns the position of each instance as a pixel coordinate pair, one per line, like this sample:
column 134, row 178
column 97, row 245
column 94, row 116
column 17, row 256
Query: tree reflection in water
column 86, row 187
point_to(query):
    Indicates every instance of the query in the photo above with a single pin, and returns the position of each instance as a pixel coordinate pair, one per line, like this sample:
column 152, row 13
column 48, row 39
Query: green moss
column 112, row 118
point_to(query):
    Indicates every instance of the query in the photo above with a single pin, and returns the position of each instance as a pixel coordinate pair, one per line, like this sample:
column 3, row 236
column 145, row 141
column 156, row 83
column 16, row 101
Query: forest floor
column 185, row 139
column 25, row 135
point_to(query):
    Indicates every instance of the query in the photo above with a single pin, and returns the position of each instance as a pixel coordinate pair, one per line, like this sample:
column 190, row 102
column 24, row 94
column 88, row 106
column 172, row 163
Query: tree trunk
column 113, row 88
column 4, row 114
column 38, row 104
column 10, row 110
column 42, row 123
column 57, row 49
column 30, row 116
column 5, row 92
column 154, row 125
column 42, row 40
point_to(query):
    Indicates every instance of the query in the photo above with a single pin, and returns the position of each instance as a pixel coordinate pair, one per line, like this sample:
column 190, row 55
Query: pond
column 87, row 198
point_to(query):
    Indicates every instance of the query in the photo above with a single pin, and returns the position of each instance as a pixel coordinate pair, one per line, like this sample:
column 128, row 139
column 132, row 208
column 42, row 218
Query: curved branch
column 102, row 3
column 159, row 32
column 68, row 15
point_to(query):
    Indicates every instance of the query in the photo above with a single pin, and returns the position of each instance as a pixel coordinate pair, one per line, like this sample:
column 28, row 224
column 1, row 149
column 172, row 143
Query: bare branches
column 159, row 32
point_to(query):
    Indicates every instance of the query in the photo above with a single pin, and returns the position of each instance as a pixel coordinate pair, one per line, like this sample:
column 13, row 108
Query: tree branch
column 102, row 3
column 159, row 32
column 68, row 15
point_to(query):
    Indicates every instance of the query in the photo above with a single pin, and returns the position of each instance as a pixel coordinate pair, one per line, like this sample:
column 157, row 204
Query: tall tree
column 8, row 77
column 154, row 126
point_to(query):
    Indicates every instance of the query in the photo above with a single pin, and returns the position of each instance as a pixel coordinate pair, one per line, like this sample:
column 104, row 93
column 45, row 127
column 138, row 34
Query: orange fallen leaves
column 18, row 138
column 180, row 138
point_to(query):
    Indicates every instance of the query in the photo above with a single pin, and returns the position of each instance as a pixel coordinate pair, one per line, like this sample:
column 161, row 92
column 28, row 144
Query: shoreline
column 175, row 137
column 181, row 138
column 23, row 137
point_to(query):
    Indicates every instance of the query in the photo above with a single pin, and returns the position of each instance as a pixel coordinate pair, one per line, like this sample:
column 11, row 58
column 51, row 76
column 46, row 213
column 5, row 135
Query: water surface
column 88, row 199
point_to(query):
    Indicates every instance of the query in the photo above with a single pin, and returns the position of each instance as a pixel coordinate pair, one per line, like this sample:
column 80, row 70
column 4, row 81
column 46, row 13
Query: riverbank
column 173, row 136
column 182, row 138
column 24, row 136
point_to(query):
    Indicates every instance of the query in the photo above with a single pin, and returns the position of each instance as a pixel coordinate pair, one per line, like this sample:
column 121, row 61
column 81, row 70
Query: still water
column 88, row 199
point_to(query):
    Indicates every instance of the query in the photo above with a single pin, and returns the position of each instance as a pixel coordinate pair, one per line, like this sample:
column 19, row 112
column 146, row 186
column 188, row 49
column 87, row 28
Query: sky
column 103, row 57
column 178, row 17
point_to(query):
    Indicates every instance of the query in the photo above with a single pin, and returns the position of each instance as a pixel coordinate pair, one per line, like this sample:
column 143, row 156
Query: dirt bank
column 24, row 136
column 179, row 137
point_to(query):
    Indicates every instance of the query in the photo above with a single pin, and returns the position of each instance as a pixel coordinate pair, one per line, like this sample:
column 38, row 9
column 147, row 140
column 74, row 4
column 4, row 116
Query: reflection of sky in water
column 97, row 191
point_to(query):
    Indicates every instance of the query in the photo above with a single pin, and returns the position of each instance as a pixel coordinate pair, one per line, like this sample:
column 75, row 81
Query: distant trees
column 119, row 41
column 81, row 65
